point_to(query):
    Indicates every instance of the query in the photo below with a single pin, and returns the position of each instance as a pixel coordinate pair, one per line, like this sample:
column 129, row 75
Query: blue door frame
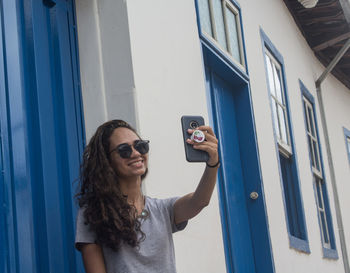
column 244, row 220
column 42, row 135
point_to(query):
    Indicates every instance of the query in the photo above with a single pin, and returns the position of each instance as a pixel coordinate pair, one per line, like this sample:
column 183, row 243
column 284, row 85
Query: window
column 348, row 146
column 278, row 103
column 347, row 142
column 321, row 196
column 312, row 138
column 284, row 142
column 220, row 23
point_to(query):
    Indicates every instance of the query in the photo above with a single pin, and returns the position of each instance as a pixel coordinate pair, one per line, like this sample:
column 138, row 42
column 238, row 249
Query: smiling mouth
column 136, row 163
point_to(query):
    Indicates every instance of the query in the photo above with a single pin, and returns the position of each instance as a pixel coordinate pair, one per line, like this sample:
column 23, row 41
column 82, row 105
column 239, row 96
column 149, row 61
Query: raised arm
column 191, row 204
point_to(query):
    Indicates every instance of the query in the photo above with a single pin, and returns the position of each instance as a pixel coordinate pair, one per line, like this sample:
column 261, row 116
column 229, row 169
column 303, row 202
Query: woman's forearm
column 191, row 204
column 202, row 195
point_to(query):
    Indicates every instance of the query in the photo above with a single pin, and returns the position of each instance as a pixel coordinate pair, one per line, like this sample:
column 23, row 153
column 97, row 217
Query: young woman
column 119, row 230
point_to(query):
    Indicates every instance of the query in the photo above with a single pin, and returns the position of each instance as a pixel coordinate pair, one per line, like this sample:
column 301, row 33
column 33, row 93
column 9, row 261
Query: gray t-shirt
column 156, row 252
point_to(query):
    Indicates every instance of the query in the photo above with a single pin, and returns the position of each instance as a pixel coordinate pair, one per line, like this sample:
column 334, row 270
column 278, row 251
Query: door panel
column 3, row 228
column 60, row 132
column 231, row 182
column 244, row 219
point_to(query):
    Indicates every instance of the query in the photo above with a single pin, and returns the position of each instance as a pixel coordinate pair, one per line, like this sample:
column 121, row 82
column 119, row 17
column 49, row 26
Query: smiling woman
column 118, row 228
column 128, row 153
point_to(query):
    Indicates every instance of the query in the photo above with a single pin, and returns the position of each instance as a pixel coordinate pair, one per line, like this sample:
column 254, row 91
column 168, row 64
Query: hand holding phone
column 193, row 122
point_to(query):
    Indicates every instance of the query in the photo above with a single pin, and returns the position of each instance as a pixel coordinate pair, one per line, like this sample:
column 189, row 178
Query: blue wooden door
column 243, row 214
column 41, row 118
column 231, row 177
column 3, row 243
column 57, row 134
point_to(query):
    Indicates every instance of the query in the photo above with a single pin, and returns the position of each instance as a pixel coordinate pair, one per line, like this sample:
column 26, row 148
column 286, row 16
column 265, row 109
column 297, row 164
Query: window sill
column 330, row 254
column 299, row 244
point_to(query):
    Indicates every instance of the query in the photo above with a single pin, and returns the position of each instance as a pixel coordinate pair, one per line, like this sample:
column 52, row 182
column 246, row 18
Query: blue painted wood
column 219, row 52
column 17, row 178
column 221, row 189
column 235, row 198
column 3, row 205
column 3, row 227
column 48, row 199
column 41, row 125
column 246, row 235
column 291, row 186
column 331, row 253
column 249, row 155
column 347, row 135
column 230, row 94
column 61, row 129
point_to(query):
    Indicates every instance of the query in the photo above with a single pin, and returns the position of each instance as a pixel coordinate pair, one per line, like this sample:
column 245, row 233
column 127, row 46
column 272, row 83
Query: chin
column 142, row 172
column 139, row 172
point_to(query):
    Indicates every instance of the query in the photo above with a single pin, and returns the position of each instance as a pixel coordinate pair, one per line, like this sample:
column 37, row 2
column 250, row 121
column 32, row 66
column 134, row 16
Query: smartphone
column 192, row 155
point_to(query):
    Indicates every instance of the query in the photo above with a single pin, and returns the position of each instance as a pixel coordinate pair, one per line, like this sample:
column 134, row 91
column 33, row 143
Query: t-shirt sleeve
column 169, row 205
column 83, row 234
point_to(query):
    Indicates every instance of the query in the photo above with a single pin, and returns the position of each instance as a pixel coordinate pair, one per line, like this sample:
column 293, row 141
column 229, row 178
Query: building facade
column 245, row 66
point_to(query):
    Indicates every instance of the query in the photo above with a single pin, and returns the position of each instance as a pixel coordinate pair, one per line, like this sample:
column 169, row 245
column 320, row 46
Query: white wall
column 337, row 105
column 161, row 75
column 169, row 83
column 141, row 61
column 105, row 63
column 300, row 63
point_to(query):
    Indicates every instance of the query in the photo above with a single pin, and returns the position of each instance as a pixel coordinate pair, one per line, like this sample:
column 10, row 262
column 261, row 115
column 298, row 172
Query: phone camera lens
column 194, row 124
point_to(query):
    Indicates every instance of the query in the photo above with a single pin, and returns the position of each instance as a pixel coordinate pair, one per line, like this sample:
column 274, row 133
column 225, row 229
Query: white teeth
column 136, row 162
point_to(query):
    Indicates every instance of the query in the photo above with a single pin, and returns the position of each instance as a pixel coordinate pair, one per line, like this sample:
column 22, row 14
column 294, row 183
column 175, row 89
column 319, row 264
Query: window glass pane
column 312, row 154
column 319, row 193
column 324, row 227
column 322, row 212
column 311, row 116
column 307, row 117
column 291, row 193
column 278, row 83
column 270, row 75
column 204, row 16
column 233, row 35
column 317, row 158
column 219, row 23
column 283, row 124
column 348, row 139
column 274, row 113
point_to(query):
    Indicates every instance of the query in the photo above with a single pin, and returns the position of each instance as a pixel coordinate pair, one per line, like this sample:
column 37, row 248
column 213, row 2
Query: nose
column 135, row 153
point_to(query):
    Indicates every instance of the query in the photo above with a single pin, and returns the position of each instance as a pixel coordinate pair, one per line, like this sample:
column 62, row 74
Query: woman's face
column 134, row 166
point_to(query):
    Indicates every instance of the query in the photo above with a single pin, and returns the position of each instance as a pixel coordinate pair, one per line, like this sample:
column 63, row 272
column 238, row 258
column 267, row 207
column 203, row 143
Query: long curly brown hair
column 106, row 208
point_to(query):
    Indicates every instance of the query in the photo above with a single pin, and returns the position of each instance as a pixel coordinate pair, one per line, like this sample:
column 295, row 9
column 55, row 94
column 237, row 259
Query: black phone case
column 192, row 155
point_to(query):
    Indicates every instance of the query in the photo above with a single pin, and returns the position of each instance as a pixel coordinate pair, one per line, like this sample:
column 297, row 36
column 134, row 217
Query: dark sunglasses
column 125, row 150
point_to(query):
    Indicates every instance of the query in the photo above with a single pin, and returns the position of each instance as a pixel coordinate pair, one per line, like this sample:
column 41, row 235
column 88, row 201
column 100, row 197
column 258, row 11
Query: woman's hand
column 210, row 145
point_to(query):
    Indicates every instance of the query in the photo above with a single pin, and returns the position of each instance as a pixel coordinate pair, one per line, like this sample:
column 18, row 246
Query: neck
column 132, row 189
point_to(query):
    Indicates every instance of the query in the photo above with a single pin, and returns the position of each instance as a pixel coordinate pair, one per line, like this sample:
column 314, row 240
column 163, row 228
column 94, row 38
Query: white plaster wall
column 152, row 84
column 91, row 67
column 169, row 83
column 300, row 63
column 337, row 105
column 141, row 61
column 105, row 63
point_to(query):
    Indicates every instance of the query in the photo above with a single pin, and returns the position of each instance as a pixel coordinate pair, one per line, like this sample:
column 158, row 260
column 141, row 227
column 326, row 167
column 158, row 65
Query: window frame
column 294, row 209
column 285, row 148
column 234, row 8
column 319, row 182
column 308, row 122
column 347, row 142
